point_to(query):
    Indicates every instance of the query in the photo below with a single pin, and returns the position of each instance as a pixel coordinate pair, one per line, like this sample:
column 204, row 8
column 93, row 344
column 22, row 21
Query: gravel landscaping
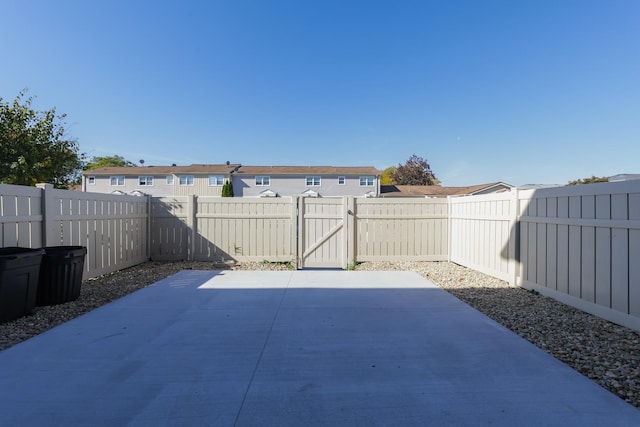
column 605, row 352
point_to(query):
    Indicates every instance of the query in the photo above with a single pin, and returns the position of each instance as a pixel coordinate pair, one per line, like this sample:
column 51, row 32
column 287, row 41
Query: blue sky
column 516, row 91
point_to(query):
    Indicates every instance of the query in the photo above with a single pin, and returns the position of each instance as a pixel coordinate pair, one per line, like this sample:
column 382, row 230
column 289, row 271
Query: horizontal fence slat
column 606, row 223
column 21, row 218
column 91, row 217
column 242, row 216
column 401, row 217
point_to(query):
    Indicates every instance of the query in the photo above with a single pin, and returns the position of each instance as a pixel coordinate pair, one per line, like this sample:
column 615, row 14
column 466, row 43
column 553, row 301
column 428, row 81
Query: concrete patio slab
column 239, row 348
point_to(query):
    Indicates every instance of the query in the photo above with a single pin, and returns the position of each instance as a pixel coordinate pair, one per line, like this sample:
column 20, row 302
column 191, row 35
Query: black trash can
column 61, row 274
column 19, row 271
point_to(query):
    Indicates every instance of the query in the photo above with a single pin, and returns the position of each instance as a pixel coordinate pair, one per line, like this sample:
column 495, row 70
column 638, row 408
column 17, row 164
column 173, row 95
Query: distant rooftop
column 438, row 191
column 624, row 177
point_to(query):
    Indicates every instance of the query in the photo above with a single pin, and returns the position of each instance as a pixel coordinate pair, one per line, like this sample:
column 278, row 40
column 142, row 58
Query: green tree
column 416, row 171
column 107, row 161
column 227, row 189
column 386, row 178
column 591, row 180
column 34, row 148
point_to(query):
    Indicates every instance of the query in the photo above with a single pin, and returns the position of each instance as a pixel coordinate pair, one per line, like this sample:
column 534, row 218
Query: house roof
column 306, row 170
column 624, row 177
column 241, row 170
column 160, row 170
column 436, row 190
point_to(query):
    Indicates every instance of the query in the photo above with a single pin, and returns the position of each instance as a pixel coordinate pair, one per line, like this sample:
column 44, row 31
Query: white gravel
column 605, row 352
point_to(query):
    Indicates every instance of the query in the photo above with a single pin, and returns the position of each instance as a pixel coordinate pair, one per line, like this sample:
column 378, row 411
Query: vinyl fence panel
column 245, row 229
column 113, row 228
column 221, row 229
column 581, row 245
column 401, row 229
column 21, row 216
column 483, row 233
column 171, row 227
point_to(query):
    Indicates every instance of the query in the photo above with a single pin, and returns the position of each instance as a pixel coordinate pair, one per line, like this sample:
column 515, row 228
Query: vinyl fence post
column 350, row 231
column 293, row 243
column 149, row 229
column 300, row 203
column 191, row 225
column 48, row 216
column 514, row 241
column 449, row 229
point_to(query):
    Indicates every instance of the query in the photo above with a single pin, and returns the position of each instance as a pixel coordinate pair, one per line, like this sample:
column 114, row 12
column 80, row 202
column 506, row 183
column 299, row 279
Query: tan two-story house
column 312, row 181
column 247, row 181
column 203, row 180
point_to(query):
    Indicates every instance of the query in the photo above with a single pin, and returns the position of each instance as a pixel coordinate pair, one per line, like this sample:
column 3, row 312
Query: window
column 366, row 181
column 117, row 181
column 263, row 181
column 341, row 180
column 169, row 179
column 216, row 180
column 91, row 180
column 186, row 180
column 145, row 181
column 313, row 181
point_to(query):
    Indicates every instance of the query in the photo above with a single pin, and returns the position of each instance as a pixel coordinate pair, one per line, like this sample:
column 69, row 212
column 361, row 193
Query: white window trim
column 343, row 179
column 91, row 180
column 313, row 180
column 261, row 178
column 186, row 184
column 145, row 179
column 219, row 183
column 117, row 178
column 170, row 180
column 368, row 178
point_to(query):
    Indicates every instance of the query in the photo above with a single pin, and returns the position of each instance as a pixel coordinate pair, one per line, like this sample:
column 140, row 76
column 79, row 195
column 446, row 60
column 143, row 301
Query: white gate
column 323, row 232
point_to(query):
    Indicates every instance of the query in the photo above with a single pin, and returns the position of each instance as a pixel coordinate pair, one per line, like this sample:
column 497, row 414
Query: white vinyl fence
column 577, row 244
column 322, row 232
column 580, row 245
column 21, row 216
column 483, row 233
column 401, row 229
column 112, row 228
column 222, row 229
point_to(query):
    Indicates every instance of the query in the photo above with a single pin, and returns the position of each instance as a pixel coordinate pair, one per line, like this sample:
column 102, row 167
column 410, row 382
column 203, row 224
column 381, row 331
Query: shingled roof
column 306, row 170
column 242, row 170
column 435, row 190
column 160, row 170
